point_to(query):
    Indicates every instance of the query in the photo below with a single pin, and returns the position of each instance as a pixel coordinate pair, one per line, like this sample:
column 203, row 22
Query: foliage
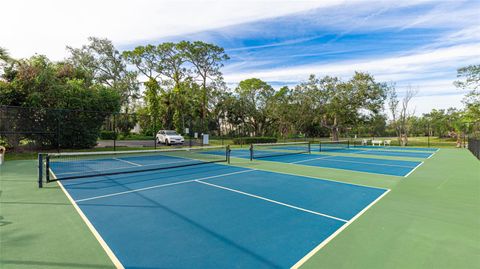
column 252, row 140
column 125, row 122
column 336, row 104
column 401, row 114
column 470, row 80
column 52, row 87
column 255, row 101
column 108, row 135
column 206, row 59
column 103, row 64
column 173, row 69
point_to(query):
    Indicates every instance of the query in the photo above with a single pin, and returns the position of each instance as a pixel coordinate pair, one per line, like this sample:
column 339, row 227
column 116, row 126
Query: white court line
column 360, row 151
column 413, row 169
column 326, row 179
column 433, row 153
column 125, row 161
column 160, row 186
column 272, row 201
column 400, row 154
column 383, row 164
column 95, row 233
column 324, row 157
column 332, row 236
column 341, row 169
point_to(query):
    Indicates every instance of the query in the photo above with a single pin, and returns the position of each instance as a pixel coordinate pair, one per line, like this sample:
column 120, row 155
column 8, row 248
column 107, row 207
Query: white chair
column 364, row 142
column 387, row 142
column 377, row 142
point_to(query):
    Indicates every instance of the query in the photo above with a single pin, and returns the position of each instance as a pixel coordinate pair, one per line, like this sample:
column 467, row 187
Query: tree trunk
column 459, row 140
column 334, row 132
column 204, row 103
column 404, row 141
column 334, row 129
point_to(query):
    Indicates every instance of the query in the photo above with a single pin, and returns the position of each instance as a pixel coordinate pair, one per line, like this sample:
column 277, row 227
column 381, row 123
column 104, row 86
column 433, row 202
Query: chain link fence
column 27, row 129
column 473, row 137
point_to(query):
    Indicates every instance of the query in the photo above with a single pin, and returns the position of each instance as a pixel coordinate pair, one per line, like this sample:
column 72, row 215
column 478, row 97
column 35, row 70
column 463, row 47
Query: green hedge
column 108, row 135
column 253, row 140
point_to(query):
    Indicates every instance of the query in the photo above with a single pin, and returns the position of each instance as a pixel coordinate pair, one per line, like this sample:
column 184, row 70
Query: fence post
column 40, row 170
column 428, row 134
column 154, row 132
column 114, row 132
column 58, row 130
column 251, row 152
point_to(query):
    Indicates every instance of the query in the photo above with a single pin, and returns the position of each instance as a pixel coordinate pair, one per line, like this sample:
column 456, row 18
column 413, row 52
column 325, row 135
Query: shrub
column 108, row 135
column 253, row 140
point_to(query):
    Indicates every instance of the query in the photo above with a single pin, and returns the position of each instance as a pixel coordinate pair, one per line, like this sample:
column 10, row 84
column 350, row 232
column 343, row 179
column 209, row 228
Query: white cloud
column 424, row 104
column 47, row 26
column 407, row 69
column 390, row 68
column 431, row 72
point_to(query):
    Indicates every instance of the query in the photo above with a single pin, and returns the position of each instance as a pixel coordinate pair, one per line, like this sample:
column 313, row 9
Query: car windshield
column 170, row 133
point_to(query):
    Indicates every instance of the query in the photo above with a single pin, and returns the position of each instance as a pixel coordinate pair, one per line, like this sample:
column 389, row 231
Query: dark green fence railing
column 474, row 146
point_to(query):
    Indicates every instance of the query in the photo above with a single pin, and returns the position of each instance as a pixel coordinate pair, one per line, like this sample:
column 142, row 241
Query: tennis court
column 211, row 215
column 365, row 165
column 300, row 153
column 396, row 148
column 348, row 147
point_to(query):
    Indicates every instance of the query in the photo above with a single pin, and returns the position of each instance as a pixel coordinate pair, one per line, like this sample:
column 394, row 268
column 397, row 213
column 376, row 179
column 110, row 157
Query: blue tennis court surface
column 216, row 216
column 397, row 148
column 377, row 152
column 392, row 153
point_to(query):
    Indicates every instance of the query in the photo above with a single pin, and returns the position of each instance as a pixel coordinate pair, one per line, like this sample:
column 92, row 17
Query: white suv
column 169, row 137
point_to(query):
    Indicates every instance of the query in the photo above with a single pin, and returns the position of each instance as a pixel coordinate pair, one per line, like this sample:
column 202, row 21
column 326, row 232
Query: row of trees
column 178, row 85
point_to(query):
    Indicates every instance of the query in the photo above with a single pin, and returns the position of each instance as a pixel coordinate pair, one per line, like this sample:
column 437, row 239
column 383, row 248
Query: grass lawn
column 430, row 219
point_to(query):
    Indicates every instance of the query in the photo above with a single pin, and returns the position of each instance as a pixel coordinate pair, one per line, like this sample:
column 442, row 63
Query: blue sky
column 417, row 44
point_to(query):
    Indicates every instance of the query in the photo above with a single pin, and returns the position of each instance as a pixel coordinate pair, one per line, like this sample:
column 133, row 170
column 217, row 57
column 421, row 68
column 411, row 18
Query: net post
column 348, row 143
column 58, row 131
column 47, row 168
column 40, row 170
column 309, row 147
column 320, row 145
column 251, row 152
column 228, row 154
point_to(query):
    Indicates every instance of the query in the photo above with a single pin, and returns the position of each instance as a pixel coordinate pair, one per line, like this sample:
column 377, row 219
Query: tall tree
column 172, row 59
column 340, row 103
column 401, row 112
column 106, row 65
column 306, row 107
column 256, row 98
column 206, row 59
column 284, row 111
column 147, row 60
column 470, row 80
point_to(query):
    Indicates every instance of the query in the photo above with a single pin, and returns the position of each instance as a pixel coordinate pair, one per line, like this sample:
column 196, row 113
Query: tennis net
column 59, row 166
column 278, row 149
column 334, row 145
